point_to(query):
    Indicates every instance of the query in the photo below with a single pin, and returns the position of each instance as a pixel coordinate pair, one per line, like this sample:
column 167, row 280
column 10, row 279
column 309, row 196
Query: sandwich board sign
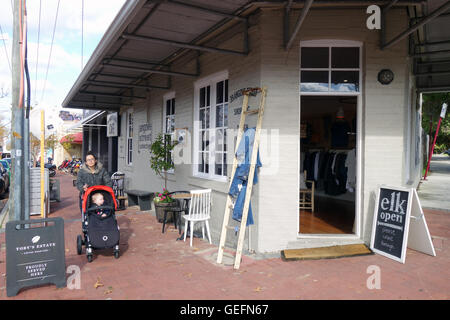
column 35, row 254
column 398, row 223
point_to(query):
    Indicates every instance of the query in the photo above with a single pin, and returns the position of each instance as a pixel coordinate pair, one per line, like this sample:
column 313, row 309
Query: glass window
column 313, row 81
column 169, row 126
column 347, row 57
column 345, row 81
column 213, row 122
column 341, row 75
column 315, row 57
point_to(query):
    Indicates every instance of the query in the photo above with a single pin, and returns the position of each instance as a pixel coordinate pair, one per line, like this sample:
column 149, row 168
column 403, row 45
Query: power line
column 51, row 48
column 37, row 53
column 6, row 50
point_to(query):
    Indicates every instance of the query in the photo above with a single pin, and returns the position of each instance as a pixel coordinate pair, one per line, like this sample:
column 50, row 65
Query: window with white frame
column 130, row 137
column 169, row 122
column 211, row 123
column 330, row 67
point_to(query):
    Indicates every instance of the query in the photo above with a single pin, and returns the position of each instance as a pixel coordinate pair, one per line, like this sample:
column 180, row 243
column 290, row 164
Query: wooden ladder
column 255, row 148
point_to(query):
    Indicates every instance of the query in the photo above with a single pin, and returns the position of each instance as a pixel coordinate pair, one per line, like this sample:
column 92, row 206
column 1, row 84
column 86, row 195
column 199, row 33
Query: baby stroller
column 99, row 232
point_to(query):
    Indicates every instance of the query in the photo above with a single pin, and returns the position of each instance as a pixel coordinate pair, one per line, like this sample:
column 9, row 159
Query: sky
column 63, row 60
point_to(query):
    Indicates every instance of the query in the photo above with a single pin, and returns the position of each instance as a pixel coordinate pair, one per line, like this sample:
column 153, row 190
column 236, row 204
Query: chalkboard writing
column 391, row 221
column 145, row 137
column 34, row 255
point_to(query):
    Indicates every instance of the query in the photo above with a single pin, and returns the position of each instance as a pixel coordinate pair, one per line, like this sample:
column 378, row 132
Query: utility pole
column 15, row 197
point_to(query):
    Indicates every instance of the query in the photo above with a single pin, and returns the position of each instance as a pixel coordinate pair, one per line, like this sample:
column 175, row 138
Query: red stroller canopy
column 97, row 188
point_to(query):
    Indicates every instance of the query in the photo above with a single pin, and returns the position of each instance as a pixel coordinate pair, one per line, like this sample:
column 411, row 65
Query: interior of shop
column 327, row 164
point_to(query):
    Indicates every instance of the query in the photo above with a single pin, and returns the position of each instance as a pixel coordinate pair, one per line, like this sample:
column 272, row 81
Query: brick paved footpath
column 153, row 265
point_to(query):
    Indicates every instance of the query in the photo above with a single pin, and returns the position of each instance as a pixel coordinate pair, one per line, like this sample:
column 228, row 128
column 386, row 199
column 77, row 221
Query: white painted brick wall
column 275, row 198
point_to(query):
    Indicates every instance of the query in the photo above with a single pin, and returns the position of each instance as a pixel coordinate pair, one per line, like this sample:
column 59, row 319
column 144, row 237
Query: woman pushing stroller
column 97, row 205
column 92, row 173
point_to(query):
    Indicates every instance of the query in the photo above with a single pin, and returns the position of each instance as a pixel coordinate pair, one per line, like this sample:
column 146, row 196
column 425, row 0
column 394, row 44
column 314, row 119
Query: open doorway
column 328, row 178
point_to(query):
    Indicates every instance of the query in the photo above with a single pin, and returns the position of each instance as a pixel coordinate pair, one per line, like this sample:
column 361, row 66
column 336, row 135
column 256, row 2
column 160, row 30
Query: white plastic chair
column 199, row 210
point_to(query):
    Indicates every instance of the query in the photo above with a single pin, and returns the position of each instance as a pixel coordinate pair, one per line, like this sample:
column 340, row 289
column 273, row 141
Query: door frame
column 359, row 138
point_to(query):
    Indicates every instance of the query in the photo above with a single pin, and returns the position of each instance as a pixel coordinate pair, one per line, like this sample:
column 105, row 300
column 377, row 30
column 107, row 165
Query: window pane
column 208, row 96
column 219, row 116
column 219, row 92
column 202, row 97
column 173, row 106
column 225, row 115
column 345, row 81
column 226, row 90
column 168, row 108
column 172, row 124
column 204, row 118
column 167, row 124
column 204, row 141
column 218, row 163
column 201, row 162
column 219, row 140
column 314, row 81
column 225, row 140
column 315, row 57
column 225, row 173
column 345, row 57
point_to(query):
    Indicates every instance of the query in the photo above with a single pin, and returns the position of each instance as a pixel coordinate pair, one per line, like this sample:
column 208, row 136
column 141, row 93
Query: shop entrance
column 328, row 163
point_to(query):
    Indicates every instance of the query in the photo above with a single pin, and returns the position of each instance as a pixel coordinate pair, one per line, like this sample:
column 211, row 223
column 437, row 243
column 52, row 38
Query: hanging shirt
column 238, row 186
column 350, row 163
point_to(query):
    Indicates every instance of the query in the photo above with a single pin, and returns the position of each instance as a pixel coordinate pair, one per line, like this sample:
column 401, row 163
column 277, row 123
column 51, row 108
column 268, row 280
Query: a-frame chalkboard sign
column 398, row 223
column 35, row 254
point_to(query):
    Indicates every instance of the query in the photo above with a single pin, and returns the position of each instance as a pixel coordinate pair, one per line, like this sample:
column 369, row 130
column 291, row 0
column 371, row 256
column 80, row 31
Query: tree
column 161, row 160
column 431, row 109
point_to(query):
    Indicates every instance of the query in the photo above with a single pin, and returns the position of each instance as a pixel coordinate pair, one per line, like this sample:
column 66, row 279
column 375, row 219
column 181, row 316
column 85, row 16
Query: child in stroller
column 99, row 225
column 98, row 201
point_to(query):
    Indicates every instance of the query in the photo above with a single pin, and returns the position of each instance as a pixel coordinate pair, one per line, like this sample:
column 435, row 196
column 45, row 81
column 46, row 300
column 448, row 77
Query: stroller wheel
column 89, row 257
column 79, row 244
column 116, row 254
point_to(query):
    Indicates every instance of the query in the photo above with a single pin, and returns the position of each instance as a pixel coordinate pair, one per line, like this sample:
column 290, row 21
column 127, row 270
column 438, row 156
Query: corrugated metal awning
column 433, row 52
column 146, row 37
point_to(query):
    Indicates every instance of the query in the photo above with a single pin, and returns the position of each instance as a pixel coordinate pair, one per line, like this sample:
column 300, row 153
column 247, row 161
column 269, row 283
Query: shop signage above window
column 112, row 125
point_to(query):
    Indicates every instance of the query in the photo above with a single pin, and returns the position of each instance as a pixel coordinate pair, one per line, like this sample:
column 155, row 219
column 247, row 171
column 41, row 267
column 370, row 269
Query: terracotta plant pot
column 159, row 209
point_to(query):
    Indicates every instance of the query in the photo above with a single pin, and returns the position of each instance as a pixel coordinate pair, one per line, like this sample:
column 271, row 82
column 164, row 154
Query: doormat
column 333, row 252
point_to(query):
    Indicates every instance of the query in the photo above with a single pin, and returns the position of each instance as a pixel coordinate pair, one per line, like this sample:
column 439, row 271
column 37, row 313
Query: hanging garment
column 336, row 174
column 238, row 186
column 350, row 163
column 316, row 166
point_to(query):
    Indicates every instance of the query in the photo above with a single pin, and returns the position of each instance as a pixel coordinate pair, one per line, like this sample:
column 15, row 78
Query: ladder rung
column 252, row 111
column 230, row 227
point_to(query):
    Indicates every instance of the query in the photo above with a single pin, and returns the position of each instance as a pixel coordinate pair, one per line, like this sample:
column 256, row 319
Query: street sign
column 34, row 255
column 443, row 110
column 398, row 223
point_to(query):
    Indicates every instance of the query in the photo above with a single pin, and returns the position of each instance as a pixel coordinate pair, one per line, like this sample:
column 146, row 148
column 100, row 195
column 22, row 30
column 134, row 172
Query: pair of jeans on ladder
column 238, row 186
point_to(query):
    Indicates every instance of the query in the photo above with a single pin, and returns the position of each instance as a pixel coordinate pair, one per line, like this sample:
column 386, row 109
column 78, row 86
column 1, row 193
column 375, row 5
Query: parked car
column 447, row 152
column 7, row 166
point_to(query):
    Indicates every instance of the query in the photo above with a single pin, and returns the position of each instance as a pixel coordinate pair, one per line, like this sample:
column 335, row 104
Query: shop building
column 337, row 101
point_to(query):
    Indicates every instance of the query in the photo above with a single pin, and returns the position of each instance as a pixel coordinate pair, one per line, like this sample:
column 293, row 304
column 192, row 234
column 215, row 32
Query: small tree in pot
column 161, row 162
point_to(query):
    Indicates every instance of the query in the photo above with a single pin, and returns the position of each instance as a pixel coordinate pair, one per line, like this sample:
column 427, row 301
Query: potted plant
column 161, row 162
